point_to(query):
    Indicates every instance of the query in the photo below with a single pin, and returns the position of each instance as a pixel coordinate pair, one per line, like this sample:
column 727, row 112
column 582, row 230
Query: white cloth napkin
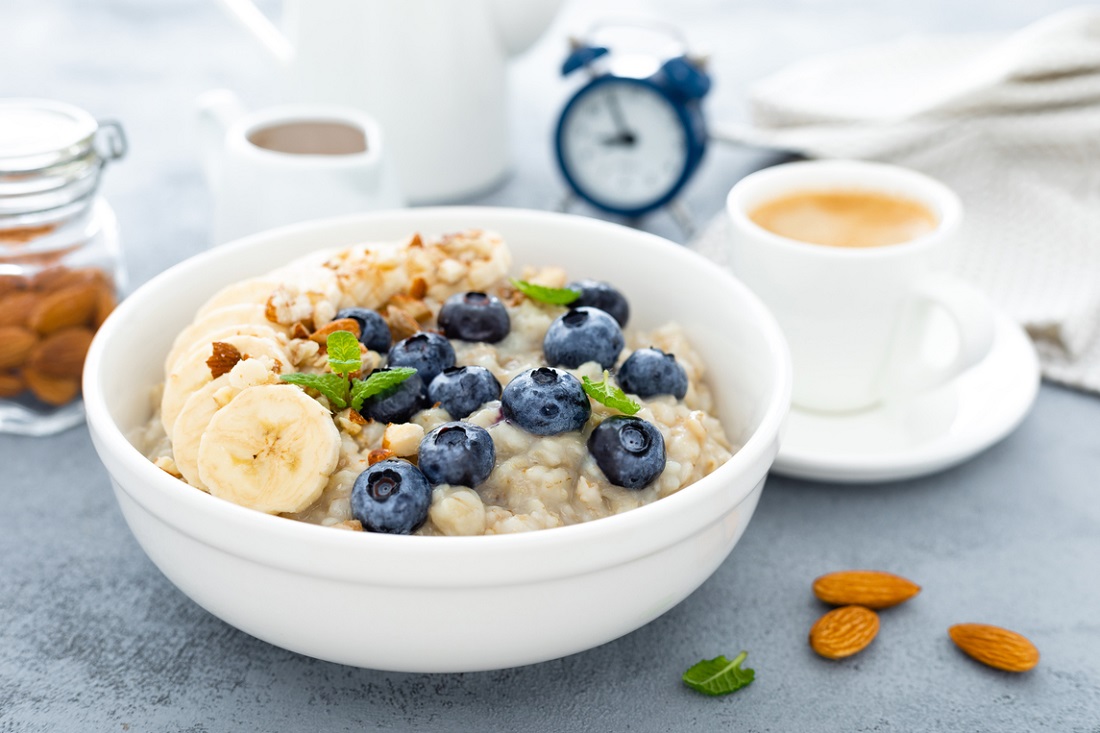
column 1012, row 124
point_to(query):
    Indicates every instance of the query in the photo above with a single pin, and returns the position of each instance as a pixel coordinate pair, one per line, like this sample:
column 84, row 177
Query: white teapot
column 432, row 72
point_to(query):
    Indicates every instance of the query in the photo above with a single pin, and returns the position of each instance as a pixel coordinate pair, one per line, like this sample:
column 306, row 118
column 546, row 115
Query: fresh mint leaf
column 608, row 394
column 543, row 294
column 333, row 386
column 719, row 676
column 377, row 383
column 343, row 352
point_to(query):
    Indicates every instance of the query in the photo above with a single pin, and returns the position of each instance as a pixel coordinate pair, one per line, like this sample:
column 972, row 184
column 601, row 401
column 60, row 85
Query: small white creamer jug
column 291, row 163
column 432, row 72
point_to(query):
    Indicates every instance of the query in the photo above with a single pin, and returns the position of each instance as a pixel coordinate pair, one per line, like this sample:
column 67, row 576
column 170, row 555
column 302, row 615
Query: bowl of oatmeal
column 512, row 435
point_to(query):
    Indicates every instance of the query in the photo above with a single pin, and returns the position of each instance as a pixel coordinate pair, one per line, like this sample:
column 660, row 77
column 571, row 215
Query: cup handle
column 974, row 320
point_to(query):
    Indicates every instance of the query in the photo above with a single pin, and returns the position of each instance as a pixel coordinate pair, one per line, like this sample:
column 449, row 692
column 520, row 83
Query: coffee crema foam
column 845, row 218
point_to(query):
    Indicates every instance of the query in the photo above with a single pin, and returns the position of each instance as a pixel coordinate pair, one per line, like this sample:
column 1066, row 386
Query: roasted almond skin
column 16, row 344
column 222, row 359
column 844, row 631
column 16, row 308
column 65, row 308
column 868, row 588
column 61, row 354
column 996, row 647
column 11, row 384
column 52, row 390
column 340, row 324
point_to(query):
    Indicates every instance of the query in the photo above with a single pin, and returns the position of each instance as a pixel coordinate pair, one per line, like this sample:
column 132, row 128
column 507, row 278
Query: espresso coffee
column 310, row 138
column 845, row 218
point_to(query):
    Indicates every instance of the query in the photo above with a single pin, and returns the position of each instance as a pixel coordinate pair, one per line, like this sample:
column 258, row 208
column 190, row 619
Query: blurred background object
column 290, row 163
column 433, row 72
column 60, row 264
column 633, row 134
column 1011, row 122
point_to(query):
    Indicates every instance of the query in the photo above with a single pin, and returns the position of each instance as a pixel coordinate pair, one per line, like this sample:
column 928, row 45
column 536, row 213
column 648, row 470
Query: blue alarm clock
column 630, row 139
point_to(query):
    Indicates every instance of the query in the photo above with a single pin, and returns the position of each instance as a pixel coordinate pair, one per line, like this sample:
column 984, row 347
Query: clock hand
column 624, row 136
column 625, row 139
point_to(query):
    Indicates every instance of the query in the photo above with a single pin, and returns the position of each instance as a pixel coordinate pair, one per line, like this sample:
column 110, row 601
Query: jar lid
column 39, row 133
column 51, row 157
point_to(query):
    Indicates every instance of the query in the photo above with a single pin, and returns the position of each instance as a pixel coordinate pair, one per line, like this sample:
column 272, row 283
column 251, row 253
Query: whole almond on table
column 869, row 588
column 843, row 632
column 16, row 344
column 996, row 647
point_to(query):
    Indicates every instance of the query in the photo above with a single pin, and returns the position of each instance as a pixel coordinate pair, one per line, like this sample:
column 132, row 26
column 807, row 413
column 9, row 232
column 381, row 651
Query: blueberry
column 649, row 372
column 546, row 402
column 461, row 390
column 629, row 451
column 373, row 331
column 397, row 404
column 457, row 453
column 391, row 496
column 428, row 353
column 597, row 294
column 582, row 335
column 474, row 317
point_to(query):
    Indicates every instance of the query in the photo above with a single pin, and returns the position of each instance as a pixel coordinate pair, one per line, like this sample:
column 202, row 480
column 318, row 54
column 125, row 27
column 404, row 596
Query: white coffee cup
column 856, row 318
column 290, row 163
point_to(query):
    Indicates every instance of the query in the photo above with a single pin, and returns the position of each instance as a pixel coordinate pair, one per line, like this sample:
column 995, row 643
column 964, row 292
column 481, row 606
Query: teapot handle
column 262, row 29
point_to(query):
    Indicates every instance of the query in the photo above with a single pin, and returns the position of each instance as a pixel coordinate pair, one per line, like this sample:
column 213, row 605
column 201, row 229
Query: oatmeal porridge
column 412, row 387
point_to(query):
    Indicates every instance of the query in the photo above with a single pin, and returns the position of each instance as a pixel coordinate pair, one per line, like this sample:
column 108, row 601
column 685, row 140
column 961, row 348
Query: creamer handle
column 215, row 110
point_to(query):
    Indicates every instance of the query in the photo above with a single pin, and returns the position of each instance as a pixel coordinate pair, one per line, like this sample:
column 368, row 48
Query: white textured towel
column 1012, row 124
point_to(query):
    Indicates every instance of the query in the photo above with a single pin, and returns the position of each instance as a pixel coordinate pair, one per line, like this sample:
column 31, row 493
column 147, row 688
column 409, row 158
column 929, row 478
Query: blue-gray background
column 93, row 638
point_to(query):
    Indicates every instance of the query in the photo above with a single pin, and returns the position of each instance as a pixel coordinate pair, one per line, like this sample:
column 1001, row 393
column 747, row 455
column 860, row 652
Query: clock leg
column 683, row 218
column 566, row 202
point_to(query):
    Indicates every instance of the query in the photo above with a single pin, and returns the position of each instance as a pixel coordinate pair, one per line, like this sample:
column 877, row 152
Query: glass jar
column 60, row 265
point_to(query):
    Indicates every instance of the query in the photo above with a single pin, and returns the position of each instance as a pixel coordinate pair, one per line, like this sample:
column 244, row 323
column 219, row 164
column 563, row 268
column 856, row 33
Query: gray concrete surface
column 93, row 638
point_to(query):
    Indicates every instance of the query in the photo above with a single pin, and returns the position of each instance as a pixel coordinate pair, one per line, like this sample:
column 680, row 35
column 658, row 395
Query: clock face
column 623, row 145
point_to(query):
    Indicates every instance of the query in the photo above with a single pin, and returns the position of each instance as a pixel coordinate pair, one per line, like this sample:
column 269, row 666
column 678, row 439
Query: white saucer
column 925, row 433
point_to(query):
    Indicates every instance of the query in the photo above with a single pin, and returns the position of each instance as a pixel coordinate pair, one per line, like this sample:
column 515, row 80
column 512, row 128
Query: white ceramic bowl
column 435, row 604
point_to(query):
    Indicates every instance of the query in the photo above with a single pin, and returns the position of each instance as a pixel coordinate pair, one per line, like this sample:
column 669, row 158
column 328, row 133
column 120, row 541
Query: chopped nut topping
column 401, row 324
column 378, row 454
column 341, row 324
column 224, row 358
column 415, row 307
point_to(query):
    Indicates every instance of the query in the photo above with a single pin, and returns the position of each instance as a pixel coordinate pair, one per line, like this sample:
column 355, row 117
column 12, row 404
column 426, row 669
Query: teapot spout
column 521, row 22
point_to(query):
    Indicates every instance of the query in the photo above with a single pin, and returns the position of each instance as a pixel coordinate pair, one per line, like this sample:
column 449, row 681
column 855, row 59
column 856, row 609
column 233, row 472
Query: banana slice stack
column 244, row 436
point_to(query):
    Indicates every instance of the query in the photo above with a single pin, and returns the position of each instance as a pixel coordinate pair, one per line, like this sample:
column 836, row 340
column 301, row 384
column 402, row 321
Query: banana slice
column 189, row 427
column 272, row 448
column 254, row 291
column 191, row 373
column 221, row 334
column 235, row 315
